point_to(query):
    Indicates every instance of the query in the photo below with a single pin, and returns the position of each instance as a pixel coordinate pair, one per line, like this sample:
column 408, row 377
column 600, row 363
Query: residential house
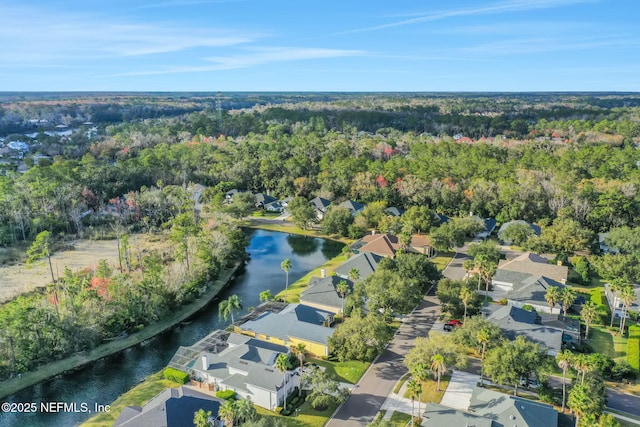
column 365, row 262
column 320, row 205
column 536, row 229
column 386, row 245
column 275, row 206
column 548, row 330
column 296, row 324
column 489, row 226
column 523, row 289
column 246, row 365
column 229, row 194
column 440, row 218
column 353, row 207
column 321, row 293
column 173, row 407
column 393, row 211
column 534, row 264
column 604, row 248
column 616, row 304
column 488, row 408
column 264, row 199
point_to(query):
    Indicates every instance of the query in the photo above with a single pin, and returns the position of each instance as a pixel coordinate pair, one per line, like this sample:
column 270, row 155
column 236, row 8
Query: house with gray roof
column 537, row 265
column 263, row 199
column 240, row 363
column 320, row 205
column 616, row 304
column 365, row 262
column 321, row 293
column 523, row 289
column 534, row 228
column 353, row 207
column 173, row 407
column 489, row 226
column 393, row 211
column 515, row 321
column 488, row 408
column 295, row 324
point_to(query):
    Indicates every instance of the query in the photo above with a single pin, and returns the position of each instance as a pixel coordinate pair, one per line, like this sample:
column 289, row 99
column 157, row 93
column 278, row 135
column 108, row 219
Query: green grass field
column 602, row 341
column 348, row 372
column 307, row 417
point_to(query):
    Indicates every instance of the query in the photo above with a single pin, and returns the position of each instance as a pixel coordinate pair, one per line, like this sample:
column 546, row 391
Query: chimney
column 205, row 362
column 323, row 273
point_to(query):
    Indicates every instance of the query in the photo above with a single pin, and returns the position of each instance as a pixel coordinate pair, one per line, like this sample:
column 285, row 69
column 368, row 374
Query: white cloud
column 31, row 36
column 497, row 8
column 255, row 56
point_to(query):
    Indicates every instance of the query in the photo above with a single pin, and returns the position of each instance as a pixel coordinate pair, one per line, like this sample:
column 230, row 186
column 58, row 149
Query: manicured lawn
column 295, row 289
column 443, row 259
column 602, row 341
column 400, row 419
column 429, row 393
column 348, row 372
column 308, row 417
column 137, row 396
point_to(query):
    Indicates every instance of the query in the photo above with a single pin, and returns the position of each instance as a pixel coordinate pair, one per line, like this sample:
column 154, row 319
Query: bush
column 176, row 375
column 622, row 371
column 528, row 307
column 279, row 410
column 549, row 395
column 226, row 394
column 503, row 301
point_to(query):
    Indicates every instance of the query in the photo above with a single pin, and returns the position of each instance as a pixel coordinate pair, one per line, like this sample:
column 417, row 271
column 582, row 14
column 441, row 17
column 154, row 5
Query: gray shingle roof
column 366, row 263
column 507, row 410
column 393, row 211
column 323, row 291
column 535, row 265
column 354, row 207
column 173, row 407
column 320, row 204
column 527, row 288
column 515, row 321
column 438, row 415
column 286, row 324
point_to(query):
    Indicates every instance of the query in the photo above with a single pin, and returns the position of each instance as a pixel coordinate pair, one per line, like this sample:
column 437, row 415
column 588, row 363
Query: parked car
column 448, row 328
column 455, row 322
column 529, row 383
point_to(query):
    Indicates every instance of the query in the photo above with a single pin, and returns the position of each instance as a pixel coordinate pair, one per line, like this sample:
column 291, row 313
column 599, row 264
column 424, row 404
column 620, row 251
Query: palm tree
column 589, row 314
column 286, row 266
column 299, row 350
column 628, row 296
column 483, row 338
column 354, row 274
column 415, row 390
column 245, row 410
column 343, row 289
column 615, row 287
column 567, row 297
column 227, row 412
column 266, row 295
column 552, row 296
column 468, row 266
column 564, row 359
column 487, row 269
column 438, row 367
column 281, row 365
column 228, row 306
column 580, row 364
column 201, row 418
column 466, row 296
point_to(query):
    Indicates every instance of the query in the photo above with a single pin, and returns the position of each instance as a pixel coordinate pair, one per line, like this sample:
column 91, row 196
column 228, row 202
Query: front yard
column 307, row 417
column 602, row 341
column 347, row 372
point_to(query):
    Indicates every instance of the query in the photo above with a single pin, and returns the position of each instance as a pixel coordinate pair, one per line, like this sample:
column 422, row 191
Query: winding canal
column 108, row 378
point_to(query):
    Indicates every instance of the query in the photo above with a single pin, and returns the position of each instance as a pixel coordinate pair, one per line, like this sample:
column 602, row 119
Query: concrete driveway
column 458, row 394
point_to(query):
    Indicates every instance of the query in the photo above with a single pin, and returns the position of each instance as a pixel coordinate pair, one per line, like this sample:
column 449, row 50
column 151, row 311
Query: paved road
column 377, row 383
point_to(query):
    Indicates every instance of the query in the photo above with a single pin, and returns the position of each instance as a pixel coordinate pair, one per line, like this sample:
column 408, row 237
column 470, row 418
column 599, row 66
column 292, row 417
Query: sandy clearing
column 18, row 279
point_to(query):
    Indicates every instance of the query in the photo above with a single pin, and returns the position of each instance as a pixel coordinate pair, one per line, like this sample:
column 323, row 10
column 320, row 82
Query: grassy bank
column 296, row 288
column 76, row 361
column 288, row 227
column 137, row 396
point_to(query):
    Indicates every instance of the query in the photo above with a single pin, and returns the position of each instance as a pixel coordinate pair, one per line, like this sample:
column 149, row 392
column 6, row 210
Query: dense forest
column 568, row 162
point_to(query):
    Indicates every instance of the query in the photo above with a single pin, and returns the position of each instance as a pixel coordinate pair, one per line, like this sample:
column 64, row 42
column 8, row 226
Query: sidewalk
column 396, row 403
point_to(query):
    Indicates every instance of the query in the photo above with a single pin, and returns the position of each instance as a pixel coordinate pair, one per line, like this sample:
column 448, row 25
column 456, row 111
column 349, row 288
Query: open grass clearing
column 307, row 417
column 443, row 259
column 137, row 396
column 348, row 372
column 604, row 342
column 399, row 419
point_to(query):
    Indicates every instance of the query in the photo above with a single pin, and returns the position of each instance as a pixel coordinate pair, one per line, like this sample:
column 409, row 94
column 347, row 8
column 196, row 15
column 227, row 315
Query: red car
column 454, row 322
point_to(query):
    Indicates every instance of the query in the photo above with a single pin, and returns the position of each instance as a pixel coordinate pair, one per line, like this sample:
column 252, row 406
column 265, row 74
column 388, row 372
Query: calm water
column 106, row 379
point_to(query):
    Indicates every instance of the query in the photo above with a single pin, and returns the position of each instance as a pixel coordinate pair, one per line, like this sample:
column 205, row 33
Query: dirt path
column 18, row 279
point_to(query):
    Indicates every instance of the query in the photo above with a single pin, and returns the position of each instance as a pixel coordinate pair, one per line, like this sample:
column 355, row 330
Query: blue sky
column 303, row 45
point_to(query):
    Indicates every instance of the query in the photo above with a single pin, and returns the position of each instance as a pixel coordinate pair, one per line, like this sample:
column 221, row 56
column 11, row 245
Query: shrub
column 226, row 394
column 528, row 307
column 279, row 410
column 176, row 375
column 503, row 301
